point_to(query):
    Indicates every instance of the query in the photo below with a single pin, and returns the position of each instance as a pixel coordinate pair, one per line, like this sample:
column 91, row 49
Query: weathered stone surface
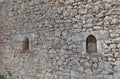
column 74, row 74
column 116, row 75
column 58, row 31
column 81, row 69
column 104, row 64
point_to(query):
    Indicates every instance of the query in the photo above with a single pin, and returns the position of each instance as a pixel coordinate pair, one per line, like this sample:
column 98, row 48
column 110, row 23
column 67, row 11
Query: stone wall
column 57, row 31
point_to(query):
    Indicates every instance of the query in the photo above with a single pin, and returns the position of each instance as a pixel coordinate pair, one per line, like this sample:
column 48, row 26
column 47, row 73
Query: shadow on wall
column 25, row 44
column 91, row 44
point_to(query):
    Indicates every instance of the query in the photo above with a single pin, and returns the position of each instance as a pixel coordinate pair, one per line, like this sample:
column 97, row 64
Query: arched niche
column 91, row 44
column 25, row 44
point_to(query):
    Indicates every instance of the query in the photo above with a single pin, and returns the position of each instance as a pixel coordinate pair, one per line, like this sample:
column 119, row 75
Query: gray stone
column 87, row 64
column 78, row 37
column 104, row 72
column 60, row 62
column 31, row 36
column 65, row 13
column 93, row 59
column 57, row 34
column 116, row 76
column 52, row 51
column 80, row 69
column 117, row 63
column 21, row 37
column 88, row 25
column 95, row 66
column 100, row 15
column 22, row 72
column 114, row 21
column 104, row 64
column 82, row 11
column 69, row 1
column 108, row 77
column 74, row 74
column 109, row 1
column 88, row 71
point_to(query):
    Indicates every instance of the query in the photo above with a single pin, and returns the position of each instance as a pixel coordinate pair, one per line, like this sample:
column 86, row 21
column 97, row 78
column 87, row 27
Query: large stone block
column 104, row 65
column 74, row 74
column 30, row 36
column 116, row 75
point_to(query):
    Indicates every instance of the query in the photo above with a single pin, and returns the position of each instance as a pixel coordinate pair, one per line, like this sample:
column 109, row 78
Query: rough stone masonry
column 60, row 39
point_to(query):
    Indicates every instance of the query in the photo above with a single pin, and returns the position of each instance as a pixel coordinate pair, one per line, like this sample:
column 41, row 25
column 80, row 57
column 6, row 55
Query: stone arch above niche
column 99, row 35
column 91, row 44
column 30, row 36
column 25, row 44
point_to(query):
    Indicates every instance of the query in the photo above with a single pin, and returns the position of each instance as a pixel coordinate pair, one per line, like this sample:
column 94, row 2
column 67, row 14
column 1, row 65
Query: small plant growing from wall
column 6, row 75
column 2, row 77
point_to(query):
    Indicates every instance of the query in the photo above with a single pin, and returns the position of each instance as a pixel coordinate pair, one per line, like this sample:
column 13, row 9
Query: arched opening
column 91, row 44
column 25, row 44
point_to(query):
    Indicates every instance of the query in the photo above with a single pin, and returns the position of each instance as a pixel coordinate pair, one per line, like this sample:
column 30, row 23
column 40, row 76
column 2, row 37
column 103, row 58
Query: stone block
column 114, row 21
column 58, row 4
column 104, row 65
column 108, row 77
column 78, row 37
column 117, row 68
column 69, row 1
column 21, row 37
column 117, row 63
column 88, row 71
column 86, row 64
column 30, row 36
column 116, row 76
column 82, row 11
column 74, row 74
column 80, row 69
